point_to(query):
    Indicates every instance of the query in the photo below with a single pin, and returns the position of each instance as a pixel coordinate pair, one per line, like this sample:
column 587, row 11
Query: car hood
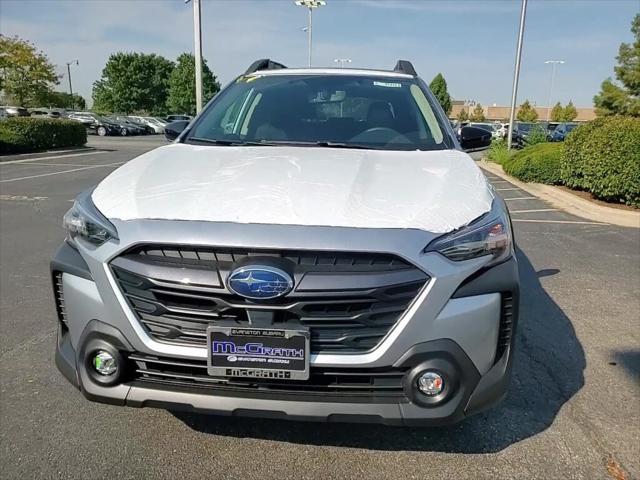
column 435, row 191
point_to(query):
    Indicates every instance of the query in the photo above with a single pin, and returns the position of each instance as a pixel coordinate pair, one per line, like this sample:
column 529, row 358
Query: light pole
column 73, row 103
column 553, row 76
column 197, row 35
column 516, row 72
column 310, row 4
column 342, row 61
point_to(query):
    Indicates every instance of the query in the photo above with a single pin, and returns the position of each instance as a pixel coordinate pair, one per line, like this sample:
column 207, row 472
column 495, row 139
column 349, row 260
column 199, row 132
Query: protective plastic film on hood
column 435, row 191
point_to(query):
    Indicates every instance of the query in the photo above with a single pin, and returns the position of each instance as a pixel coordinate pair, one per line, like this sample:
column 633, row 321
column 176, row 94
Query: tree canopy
column 182, row 85
column 526, row 113
column 478, row 114
column 133, row 82
column 439, row 88
column 25, row 72
column 52, row 99
column 623, row 97
column 557, row 113
column 569, row 113
column 463, row 115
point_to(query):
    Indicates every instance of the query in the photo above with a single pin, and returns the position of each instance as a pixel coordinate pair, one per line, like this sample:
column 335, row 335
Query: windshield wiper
column 302, row 143
column 214, row 141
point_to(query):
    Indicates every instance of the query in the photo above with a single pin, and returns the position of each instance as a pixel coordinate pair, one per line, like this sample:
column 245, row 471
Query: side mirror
column 174, row 129
column 474, row 138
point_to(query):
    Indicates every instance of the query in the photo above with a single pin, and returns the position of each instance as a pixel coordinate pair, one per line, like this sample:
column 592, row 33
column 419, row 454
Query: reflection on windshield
column 347, row 111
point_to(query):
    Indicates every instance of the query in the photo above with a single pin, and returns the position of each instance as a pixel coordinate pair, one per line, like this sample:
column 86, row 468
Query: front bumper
column 461, row 329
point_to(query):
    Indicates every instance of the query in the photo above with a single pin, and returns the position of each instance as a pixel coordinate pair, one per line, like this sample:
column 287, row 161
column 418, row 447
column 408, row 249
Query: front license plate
column 266, row 353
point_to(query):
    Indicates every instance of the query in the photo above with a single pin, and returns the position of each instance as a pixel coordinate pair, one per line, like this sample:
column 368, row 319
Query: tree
column 133, row 82
column 182, row 85
column 569, row 113
column 526, row 113
column 623, row 97
column 557, row 113
column 53, row 99
column 463, row 116
column 439, row 88
column 25, row 71
column 478, row 114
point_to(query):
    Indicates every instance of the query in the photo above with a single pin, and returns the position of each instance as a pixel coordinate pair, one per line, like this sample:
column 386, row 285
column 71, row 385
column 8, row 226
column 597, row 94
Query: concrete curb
column 568, row 202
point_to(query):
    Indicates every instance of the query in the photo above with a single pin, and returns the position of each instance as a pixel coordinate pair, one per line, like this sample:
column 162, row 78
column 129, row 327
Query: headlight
column 491, row 235
column 84, row 220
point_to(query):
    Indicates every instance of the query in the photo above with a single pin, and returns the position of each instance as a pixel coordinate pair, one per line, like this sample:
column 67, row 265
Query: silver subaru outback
column 315, row 245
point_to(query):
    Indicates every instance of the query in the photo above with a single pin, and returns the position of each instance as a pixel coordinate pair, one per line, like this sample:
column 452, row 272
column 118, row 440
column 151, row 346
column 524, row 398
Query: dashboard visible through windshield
column 350, row 111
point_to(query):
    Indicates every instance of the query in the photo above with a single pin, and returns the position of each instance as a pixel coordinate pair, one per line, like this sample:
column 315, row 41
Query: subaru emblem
column 259, row 282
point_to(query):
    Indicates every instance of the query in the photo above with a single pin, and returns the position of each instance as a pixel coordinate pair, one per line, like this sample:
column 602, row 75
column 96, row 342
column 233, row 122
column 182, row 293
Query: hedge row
column 603, row 157
column 25, row 134
column 538, row 163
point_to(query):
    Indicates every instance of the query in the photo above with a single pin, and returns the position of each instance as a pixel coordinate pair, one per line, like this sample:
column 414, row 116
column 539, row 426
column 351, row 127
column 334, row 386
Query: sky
column 471, row 42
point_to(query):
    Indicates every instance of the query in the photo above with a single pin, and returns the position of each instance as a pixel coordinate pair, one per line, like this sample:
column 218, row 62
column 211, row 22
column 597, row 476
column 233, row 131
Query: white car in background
column 152, row 122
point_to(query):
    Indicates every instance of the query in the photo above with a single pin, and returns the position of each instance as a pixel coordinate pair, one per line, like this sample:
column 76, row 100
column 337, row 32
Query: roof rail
column 405, row 66
column 264, row 64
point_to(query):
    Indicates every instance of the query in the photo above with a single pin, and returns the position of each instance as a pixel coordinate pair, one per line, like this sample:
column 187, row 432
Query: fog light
column 430, row 383
column 104, row 363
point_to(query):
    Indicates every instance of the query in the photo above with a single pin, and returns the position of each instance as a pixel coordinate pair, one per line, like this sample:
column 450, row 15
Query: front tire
column 102, row 131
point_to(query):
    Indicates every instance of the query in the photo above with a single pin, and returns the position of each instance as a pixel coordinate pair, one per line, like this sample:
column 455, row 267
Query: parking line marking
column 574, row 222
column 60, row 173
column 52, row 157
column 58, row 164
column 521, row 198
column 535, row 210
column 505, row 189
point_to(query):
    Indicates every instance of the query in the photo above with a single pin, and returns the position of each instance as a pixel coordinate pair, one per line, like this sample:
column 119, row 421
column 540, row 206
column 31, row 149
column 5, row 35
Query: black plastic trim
column 68, row 260
column 405, row 66
column 264, row 64
column 503, row 277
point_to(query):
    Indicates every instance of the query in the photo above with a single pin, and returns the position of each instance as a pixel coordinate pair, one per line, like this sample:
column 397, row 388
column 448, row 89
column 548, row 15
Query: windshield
column 326, row 110
column 570, row 126
column 525, row 127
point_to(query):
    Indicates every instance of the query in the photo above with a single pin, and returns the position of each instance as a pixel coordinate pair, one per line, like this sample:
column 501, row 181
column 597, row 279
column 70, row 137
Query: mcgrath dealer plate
column 267, row 353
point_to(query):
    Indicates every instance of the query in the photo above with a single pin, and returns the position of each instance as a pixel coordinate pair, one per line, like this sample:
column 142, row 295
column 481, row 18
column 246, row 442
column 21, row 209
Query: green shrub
column 537, row 135
column 603, row 157
column 538, row 163
column 25, row 134
column 498, row 152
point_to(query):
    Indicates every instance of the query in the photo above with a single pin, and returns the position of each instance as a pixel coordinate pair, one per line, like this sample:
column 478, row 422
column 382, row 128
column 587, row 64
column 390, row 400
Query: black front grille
column 349, row 301
column 383, row 385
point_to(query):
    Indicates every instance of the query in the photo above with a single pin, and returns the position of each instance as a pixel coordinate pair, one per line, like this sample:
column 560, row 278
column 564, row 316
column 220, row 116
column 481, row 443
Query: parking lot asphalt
column 573, row 410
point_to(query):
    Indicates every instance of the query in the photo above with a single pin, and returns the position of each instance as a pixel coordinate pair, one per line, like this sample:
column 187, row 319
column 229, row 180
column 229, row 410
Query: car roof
column 332, row 71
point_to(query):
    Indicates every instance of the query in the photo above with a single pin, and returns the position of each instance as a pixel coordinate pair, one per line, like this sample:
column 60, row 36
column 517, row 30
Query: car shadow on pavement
column 548, row 371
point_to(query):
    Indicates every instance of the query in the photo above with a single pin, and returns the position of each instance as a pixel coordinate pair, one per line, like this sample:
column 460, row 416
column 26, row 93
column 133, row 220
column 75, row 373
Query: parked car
column 561, row 131
column 296, row 260
column 96, row 123
column 173, row 118
column 134, row 127
column 150, row 122
column 45, row 113
column 490, row 127
column 126, row 128
column 15, row 111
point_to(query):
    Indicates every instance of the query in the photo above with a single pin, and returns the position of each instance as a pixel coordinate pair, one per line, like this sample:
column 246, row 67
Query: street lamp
column 516, row 72
column 197, row 35
column 310, row 4
column 553, row 75
column 73, row 103
column 342, row 61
